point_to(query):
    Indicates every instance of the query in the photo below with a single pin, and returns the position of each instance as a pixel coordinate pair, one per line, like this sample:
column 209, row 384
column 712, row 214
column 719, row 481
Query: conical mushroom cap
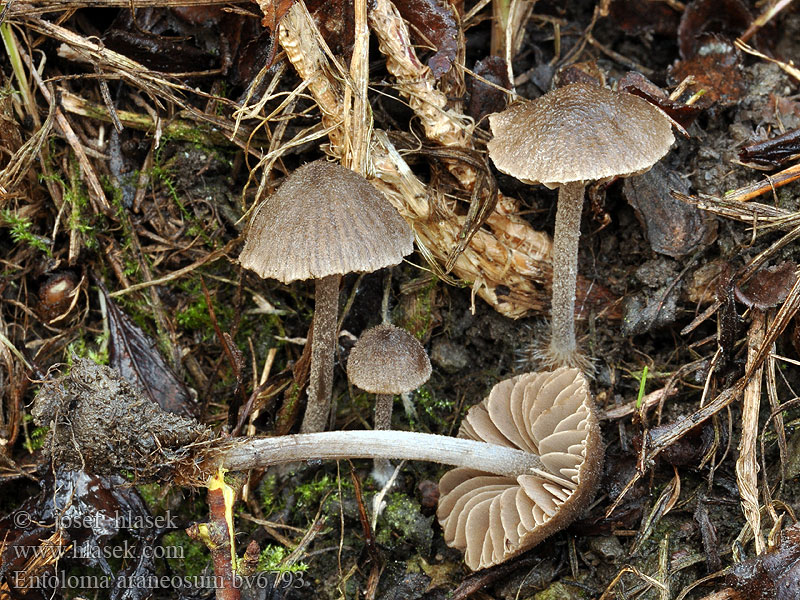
column 492, row 518
column 324, row 220
column 388, row 360
column 579, row 132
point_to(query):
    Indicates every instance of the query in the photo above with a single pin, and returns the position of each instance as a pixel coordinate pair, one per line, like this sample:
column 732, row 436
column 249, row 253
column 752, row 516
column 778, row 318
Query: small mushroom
column 494, row 517
column 578, row 133
column 387, row 361
column 323, row 222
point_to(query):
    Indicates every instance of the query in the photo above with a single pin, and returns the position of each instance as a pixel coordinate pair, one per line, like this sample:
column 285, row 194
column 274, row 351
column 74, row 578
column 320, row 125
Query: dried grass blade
column 665, row 502
column 746, row 464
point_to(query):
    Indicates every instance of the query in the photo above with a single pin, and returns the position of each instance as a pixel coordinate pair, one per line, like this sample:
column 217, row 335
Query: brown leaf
column 774, row 574
column 673, row 227
column 683, row 114
column 774, row 152
column 769, row 287
column 637, row 17
column 484, row 98
column 434, row 22
column 335, row 20
column 135, row 356
column 716, row 68
column 727, row 17
column 274, row 11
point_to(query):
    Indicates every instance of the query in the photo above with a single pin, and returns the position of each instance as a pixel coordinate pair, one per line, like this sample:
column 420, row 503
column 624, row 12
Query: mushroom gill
column 492, row 518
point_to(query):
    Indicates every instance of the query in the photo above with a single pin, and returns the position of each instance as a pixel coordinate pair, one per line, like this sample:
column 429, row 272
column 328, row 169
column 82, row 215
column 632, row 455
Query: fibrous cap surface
column 388, row 360
column 579, row 132
column 324, row 220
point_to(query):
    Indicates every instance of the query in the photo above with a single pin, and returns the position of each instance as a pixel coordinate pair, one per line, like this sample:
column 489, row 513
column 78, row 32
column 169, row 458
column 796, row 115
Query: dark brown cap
column 491, row 517
column 388, row 360
column 324, row 220
column 579, row 132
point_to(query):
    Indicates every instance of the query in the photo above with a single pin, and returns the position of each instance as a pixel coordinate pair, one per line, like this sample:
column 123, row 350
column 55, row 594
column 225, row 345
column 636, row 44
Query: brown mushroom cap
column 388, row 360
column 492, row 518
column 579, row 132
column 324, row 220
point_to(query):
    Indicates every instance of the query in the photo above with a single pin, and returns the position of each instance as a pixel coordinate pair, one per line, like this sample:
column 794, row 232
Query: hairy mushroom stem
column 563, row 349
column 384, row 403
column 323, row 344
column 333, row 445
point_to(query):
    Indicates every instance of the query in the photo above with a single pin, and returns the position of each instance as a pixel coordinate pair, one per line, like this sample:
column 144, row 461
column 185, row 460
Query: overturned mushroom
column 578, row 133
column 492, row 517
column 529, row 458
column 323, row 222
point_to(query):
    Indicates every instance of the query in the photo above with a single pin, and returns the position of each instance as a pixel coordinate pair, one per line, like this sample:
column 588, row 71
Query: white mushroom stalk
column 406, row 445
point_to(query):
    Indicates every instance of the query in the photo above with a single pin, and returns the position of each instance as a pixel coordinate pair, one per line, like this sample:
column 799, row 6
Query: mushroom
column 386, row 361
column 528, row 458
column 324, row 221
column 494, row 517
column 578, row 133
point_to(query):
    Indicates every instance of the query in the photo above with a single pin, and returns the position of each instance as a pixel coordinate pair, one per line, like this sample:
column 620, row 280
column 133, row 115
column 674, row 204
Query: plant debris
column 136, row 145
column 100, row 422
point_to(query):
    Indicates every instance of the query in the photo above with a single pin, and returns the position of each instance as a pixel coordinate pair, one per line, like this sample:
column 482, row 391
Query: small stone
column 449, row 357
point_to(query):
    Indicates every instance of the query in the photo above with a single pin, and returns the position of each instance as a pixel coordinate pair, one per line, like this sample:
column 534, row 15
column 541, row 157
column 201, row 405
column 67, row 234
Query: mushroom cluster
column 494, row 517
column 572, row 135
column 323, row 222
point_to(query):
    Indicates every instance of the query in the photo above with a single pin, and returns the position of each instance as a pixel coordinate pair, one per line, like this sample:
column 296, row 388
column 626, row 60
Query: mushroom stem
column 383, row 411
column 491, row 458
column 384, row 403
column 563, row 350
column 323, row 343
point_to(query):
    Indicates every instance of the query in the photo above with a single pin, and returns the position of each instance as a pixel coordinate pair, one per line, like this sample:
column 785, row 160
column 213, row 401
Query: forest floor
column 134, row 150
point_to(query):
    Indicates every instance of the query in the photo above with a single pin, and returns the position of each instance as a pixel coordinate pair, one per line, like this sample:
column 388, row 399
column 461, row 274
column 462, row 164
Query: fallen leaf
column 434, row 22
column 769, row 287
column 135, row 356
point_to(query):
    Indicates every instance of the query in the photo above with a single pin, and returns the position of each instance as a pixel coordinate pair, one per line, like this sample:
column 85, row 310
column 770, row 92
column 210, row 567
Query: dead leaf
column 673, row 228
column 274, row 11
column 135, row 356
column 433, row 21
column 728, row 18
column 769, row 287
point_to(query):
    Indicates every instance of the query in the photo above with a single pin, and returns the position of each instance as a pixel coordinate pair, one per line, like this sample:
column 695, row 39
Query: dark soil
column 197, row 342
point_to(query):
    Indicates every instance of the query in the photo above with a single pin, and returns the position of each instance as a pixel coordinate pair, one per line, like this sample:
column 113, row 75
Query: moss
column 271, row 502
column 151, row 494
column 416, row 313
column 96, row 351
column 402, row 522
column 309, row 495
column 434, row 411
column 192, row 557
column 560, row 591
column 22, row 231
column 34, row 437
column 273, row 559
